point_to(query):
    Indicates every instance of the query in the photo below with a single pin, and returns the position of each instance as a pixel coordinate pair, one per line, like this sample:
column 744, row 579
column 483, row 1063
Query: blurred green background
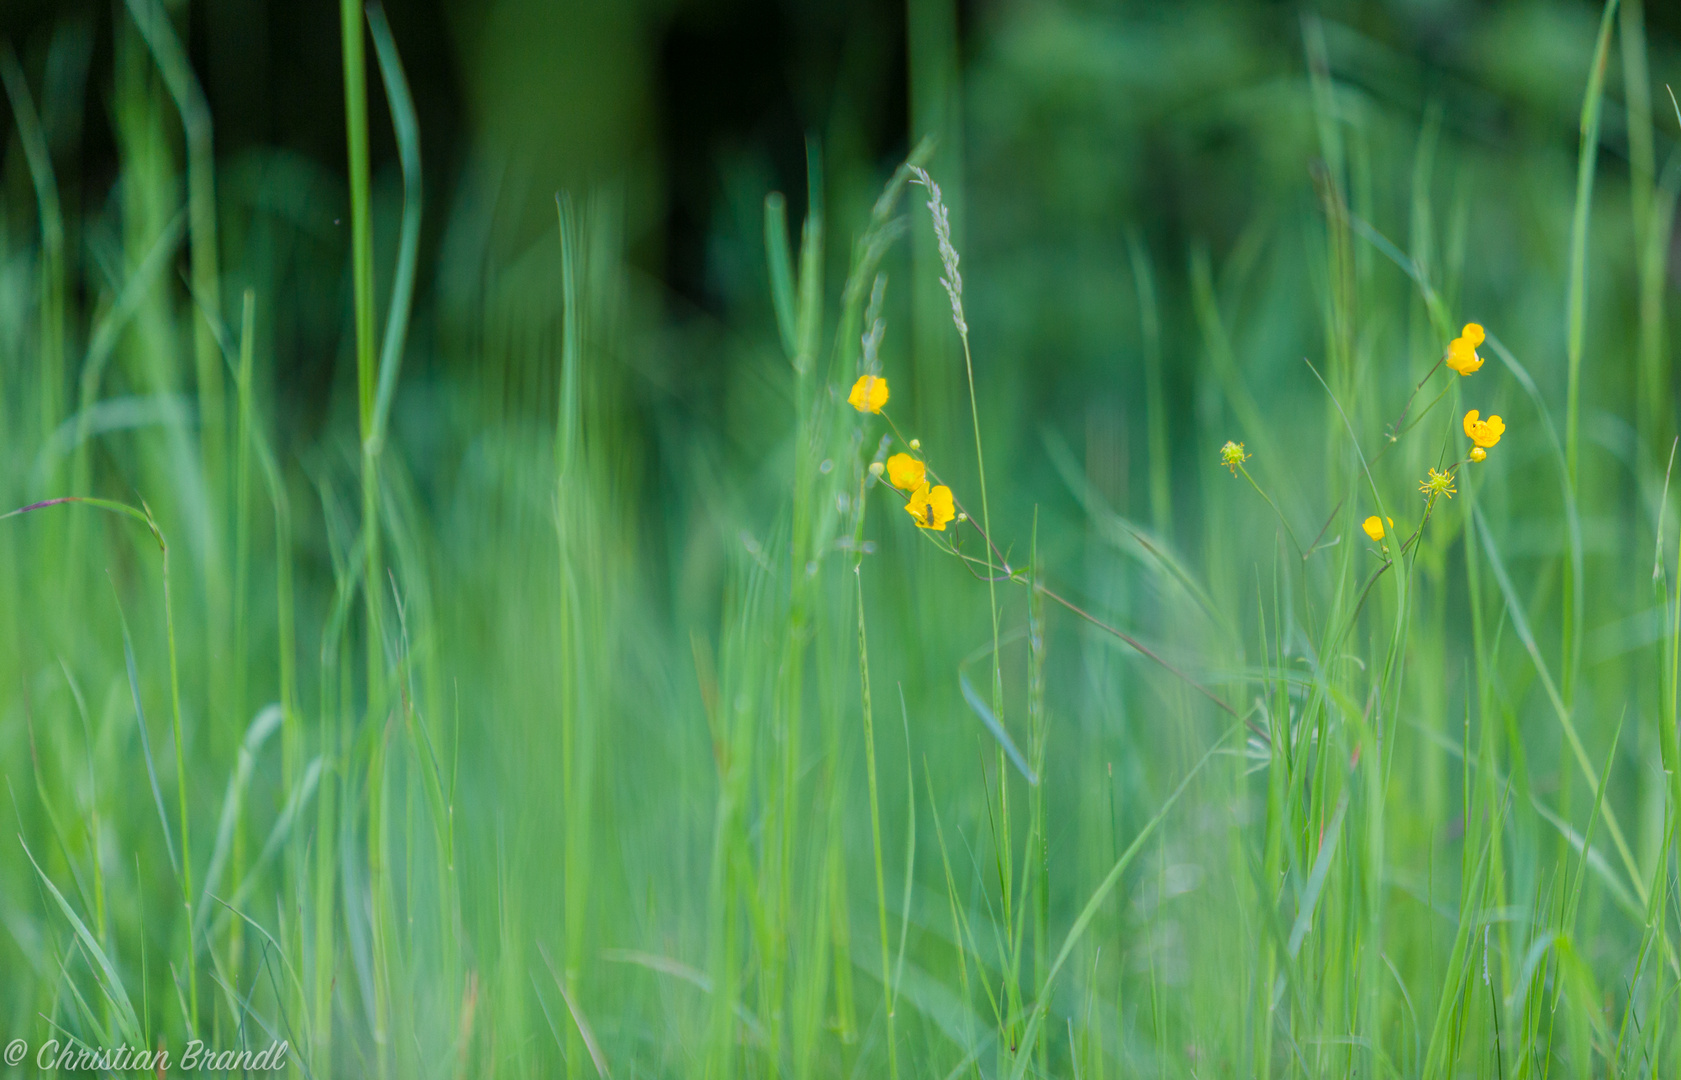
column 536, row 735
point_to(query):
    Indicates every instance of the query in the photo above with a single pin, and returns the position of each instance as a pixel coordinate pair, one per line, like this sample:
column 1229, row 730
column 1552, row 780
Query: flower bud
column 877, row 468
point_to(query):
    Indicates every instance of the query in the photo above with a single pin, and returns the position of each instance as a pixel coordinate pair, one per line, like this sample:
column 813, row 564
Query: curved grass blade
column 1520, row 624
column 300, row 797
column 109, row 983
column 984, row 711
column 1089, row 912
column 158, row 30
column 265, row 724
column 781, row 268
column 407, row 128
column 578, row 1018
column 109, row 329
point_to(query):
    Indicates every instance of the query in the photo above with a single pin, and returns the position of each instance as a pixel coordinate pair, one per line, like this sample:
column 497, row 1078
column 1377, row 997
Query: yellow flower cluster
column 931, row 506
column 1462, row 350
column 1484, row 434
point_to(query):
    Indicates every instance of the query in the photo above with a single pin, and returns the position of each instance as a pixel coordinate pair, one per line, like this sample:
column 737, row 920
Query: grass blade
column 145, row 739
column 109, row 983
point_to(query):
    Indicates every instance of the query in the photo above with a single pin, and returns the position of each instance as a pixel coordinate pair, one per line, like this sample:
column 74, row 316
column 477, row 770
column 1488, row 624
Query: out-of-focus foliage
column 607, row 716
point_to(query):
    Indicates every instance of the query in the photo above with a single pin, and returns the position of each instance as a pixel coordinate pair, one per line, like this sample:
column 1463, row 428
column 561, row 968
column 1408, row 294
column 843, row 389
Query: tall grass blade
column 1095, row 903
column 407, row 126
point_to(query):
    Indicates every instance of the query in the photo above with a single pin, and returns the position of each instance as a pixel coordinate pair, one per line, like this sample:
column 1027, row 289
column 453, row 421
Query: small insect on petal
column 933, row 508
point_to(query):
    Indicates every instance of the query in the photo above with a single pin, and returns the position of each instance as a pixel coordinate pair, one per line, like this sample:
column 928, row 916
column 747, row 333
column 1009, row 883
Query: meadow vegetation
column 1176, row 575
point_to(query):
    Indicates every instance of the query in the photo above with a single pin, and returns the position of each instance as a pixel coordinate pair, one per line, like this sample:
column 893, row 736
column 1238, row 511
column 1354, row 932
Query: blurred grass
column 466, row 655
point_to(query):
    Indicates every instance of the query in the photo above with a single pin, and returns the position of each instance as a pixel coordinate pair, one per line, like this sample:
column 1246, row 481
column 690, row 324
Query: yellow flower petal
column 1373, row 527
column 942, row 505
column 869, row 394
column 1462, row 356
column 905, row 472
column 1485, row 433
column 932, row 508
column 1472, row 334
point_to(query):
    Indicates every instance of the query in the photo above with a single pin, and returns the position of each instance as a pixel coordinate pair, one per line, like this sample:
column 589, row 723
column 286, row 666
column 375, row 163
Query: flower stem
column 1291, row 533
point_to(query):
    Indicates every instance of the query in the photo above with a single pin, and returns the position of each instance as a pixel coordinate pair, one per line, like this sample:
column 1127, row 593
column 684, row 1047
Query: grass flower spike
column 869, row 394
column 932, row 507
column 1232, row 455
column 906, row 473
column 953, row 281
column 1462, row 350
column 1374, row 526
column 1485, row 433
column 1437, row 483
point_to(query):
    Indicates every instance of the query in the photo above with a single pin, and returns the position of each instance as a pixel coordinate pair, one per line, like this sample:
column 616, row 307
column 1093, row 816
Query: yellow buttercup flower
column 1232, row 455
column 869, row 394
column 906, row 473
column 1462, row 350
column 931, row 507
column 1438, row 483
column 1485, row 433
column 1374, row 527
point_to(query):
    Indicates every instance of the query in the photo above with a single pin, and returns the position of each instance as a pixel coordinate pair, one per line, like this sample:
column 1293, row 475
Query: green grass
column 556, row 689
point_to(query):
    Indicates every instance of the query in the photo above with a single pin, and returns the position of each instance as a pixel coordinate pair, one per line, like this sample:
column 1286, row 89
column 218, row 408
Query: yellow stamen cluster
column 1232, row 455
column 1438, row 483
